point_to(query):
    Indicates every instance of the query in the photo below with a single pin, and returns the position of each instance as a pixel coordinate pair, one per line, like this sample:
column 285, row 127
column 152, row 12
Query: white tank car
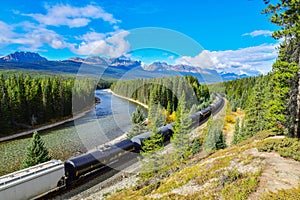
column 32, row 182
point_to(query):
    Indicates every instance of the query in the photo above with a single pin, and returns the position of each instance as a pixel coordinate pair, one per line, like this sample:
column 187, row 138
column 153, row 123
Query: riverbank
column 77, row 116
column 129, row 99
column 25, row 133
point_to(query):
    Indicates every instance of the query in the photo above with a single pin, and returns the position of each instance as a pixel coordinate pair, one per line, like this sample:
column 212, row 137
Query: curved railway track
column 102, row 174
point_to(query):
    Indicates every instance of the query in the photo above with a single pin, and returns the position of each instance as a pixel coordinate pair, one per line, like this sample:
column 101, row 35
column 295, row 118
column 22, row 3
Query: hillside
column 265, row 166
column 244, row 171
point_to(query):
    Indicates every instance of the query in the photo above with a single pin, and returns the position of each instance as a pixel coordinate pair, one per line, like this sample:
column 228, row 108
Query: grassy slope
column 244, row 171
column 234, row 173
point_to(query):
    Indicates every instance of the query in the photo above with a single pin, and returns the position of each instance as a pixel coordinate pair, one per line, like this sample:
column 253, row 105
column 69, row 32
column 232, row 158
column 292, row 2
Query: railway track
column 80, row 173
column 95, row 177
column 102, row 175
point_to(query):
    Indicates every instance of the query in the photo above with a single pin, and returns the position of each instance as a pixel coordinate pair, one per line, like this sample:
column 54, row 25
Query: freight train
column 41, row 179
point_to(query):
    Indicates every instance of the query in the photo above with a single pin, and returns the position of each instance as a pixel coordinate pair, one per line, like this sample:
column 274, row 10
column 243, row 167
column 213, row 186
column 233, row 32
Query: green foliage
column 265, row 99
column 165, row 91
column 150, row 148
column 286, row 147
column 136, row 129
column 277, row 111
column 221, row 142
column 233, row 107
column 285, row 105
column 104, row 84
column 238, row 91
column 36, row 152
column 138, row 116
column 27, row 101
column 286, row 194
column 285, row 14
column 214, row 138
column 239, row 186
column 236, row 135
column 256, row 106
column 58, row 142
column 196, row 146
column 182, row 126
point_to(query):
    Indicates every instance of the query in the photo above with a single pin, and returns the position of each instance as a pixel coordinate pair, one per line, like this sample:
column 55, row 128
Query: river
column 109, row 120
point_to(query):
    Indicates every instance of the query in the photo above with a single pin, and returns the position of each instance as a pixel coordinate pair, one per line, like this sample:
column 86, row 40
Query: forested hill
column 28, row 101
column 165, row 91
column 273, row 101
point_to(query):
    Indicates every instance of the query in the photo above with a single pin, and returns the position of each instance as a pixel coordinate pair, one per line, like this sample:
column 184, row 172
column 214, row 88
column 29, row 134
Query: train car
column 166, row 132
column 205, row 113
column 138, row 139
column 195, row 117
column 86, row 163
column 218, row 104
column 33, row 182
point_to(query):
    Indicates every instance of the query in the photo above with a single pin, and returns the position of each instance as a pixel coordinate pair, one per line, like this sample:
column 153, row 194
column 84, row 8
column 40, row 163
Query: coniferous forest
column 271, row 102
column 165, row 91
column 28, row 101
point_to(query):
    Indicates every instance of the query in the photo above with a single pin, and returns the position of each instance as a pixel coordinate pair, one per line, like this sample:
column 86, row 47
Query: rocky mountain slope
column 110, row 67
column 23, row 57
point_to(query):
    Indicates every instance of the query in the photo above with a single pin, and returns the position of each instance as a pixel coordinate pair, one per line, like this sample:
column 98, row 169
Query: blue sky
column 229, row 36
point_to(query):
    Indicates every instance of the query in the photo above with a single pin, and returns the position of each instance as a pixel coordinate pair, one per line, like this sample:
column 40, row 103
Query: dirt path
column 278, row 173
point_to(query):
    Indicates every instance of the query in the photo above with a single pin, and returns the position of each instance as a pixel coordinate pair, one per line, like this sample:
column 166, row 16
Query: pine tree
column 237, row 133
column 286, row 15
column 221, row 141
column 36, row 152
column 256, row 118
column 214, row 138
column 137, row 123
column 155, row 143
column 138, row 116
column 152, row 161
column 182, row 127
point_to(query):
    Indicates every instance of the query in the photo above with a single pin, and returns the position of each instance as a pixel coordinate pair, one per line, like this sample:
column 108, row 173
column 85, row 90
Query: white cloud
column 259, row 33
column 251, row 60
column 6, row 32
column 34, row 37
column 113, row 44
column 59, row 15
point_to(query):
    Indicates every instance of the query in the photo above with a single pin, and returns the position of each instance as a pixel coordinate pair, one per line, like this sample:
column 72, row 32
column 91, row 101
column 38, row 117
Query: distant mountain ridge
column 20, row 56
column 112, row 67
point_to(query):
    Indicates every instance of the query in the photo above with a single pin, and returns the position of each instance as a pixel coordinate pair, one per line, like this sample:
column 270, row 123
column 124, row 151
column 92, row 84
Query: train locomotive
column 53, row 175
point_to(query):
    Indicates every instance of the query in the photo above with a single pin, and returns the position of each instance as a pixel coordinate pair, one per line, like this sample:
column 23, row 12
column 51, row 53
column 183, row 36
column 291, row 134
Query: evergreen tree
column 137, row 123
column 182, row 127
column 286, row 15
column 152, row 161
column 155, row 143
column 256, row 107
column 138, row 116
column 36, row 152
column 214, row 138
column 221, row 141
column 237, row 134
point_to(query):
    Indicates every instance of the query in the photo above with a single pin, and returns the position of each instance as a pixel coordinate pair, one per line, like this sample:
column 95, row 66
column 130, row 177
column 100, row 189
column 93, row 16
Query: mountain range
column 122, row 67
